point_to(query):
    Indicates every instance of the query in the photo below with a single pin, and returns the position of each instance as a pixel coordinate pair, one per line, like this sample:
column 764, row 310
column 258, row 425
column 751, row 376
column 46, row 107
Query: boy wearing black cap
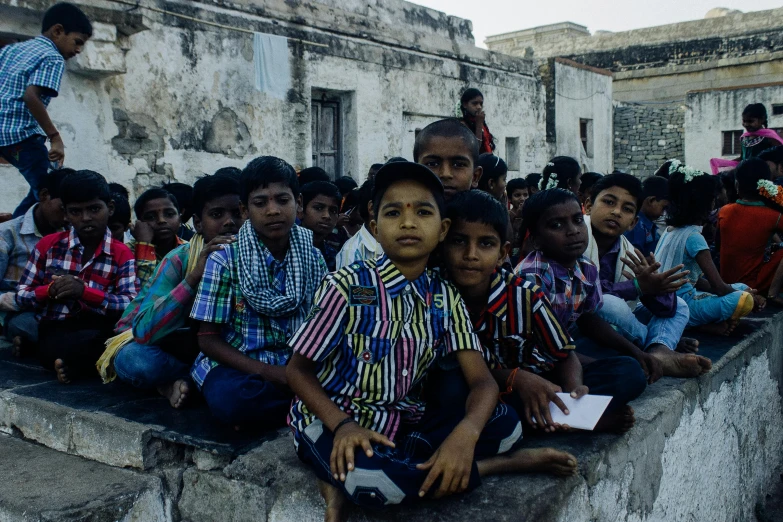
column 376, row 328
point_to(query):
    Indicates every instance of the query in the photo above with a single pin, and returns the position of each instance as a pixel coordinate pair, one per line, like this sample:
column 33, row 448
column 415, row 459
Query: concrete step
column 41, row 484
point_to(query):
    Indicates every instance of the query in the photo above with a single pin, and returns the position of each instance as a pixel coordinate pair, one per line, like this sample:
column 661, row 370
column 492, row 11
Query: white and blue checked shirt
column 34, row 62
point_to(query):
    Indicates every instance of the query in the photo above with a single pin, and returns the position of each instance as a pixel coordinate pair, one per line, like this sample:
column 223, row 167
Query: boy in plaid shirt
column 78, row 281
column 31, row 72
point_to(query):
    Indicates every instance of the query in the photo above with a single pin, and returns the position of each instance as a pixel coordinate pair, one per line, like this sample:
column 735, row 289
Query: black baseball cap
column 402, row 170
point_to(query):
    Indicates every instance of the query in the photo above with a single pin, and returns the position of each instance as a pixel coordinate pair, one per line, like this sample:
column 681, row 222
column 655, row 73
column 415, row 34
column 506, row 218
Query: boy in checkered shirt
column 78, row 281
column 32, row 72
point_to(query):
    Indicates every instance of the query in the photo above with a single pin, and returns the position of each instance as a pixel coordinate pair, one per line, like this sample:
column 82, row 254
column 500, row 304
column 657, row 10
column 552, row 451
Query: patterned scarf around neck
column 259, row 289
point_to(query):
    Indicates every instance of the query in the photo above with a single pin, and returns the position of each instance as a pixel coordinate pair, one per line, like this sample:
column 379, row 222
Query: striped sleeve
column 552, row 340
column 460, row 335
column 324, row 328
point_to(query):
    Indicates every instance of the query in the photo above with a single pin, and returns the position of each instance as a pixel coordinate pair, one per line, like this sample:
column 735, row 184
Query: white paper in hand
column 584, row 412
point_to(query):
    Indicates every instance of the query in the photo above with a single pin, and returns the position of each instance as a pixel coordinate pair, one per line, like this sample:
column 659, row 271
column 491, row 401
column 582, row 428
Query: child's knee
column 502, row 433
column 631, row 378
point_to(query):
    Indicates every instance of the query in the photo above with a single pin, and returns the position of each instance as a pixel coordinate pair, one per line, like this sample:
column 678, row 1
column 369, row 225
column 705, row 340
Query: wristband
column 342, row 423
column 638, row 288
column 509, row 384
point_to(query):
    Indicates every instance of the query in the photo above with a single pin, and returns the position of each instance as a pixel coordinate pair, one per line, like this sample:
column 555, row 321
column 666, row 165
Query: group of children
column 408, row 330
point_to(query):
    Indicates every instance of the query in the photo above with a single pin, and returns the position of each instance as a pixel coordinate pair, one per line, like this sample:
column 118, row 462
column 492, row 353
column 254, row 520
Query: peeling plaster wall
column 185, row 103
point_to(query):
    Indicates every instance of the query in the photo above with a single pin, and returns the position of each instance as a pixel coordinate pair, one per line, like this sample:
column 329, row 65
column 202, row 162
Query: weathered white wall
column 712, row 112
column 584, row 94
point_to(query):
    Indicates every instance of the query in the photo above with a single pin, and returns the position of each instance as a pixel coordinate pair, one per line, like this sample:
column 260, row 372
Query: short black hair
column 748, row 174
column 476, row 206
column 515, row 184
column 755, row 110
column 374, row 168
column 227, row 171
column 655, row 187
column 150, row 194
column 448, row 128
column 116, row 188
column 311, row 174
column 588, row 180
column 628, row 182
column 493, row 168
column 533, row 179
column 538, row 203
column 690, row 203
column 53, row 181
column 564, row 167
column 314, row 189
column 264, row 170
column 363, row 199
column 773, row 155
column 122, row 210
column 728, row 180
column 346, row 184
column 82, row 186
column 184, row 194
column 69, row 16
column 212, row 187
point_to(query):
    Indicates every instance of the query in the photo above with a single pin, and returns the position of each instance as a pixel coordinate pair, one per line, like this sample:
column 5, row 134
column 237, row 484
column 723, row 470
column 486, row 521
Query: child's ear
column 445, row 224
column 197, row 223
column 505, row 250
column 588, row 205
column 476, row 177
column 373, row 227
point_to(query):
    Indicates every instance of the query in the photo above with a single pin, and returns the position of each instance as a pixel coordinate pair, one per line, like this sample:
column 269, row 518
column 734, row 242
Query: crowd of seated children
column 155, row 230
column 253, row 296
column 363, row 244
column 531, row 354
column 374, row 333
column 627, row 275
column 320, row 206
column 493, row 176
column 748, row 228
column 714, row 306
column 156, row 346
column 644, row 236
column 18, row 238
column 78, row 281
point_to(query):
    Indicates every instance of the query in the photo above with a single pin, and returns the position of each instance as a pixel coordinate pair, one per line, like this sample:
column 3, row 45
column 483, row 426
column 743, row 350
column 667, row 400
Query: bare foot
column 675, row 364
column 530, row 460
column 759, row 302
column 335, row 502
column 619, row 421
column 176, row 392
column 62, row 371
column 687, row 345
column 18, row 347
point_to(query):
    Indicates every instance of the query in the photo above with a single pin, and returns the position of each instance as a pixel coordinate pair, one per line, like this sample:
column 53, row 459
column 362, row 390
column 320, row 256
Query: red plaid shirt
column 109, row 277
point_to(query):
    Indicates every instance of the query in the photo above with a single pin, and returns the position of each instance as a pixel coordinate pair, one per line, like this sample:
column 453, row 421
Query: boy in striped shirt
column 361, row 357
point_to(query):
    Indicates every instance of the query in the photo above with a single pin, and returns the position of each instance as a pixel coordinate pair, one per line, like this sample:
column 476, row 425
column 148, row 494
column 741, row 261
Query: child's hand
column 194, row 277
column 536, row 393
column 651, row 366
column 66, row 287
column 651, row 282
column 452, row 462
column 142, row 232
column 347, row 438
column 57, row 150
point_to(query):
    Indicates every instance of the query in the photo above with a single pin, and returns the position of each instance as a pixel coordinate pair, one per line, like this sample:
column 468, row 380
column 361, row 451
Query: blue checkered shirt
column 34, row 62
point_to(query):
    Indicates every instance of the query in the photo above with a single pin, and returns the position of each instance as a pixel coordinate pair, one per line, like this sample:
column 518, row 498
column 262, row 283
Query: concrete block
column 207, row 460
column 98, row 60
column 209, row 496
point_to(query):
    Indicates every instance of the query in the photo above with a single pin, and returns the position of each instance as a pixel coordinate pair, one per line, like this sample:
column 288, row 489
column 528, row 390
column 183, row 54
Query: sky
column 492, row 17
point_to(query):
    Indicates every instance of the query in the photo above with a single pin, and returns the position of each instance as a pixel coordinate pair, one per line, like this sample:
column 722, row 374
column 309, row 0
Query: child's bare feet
column 619, row 421
column 675, row 364
column 335, row 502
column 687, row 345
column 62, row 371
column 18, row 347
column 176, row 392
column 530, row 460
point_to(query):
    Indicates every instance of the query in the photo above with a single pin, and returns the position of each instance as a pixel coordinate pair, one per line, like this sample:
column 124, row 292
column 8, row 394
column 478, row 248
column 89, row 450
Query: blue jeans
column 641, row 327
column 237, row 398
column 31, row 157
column 21, row 324
column 148, row 366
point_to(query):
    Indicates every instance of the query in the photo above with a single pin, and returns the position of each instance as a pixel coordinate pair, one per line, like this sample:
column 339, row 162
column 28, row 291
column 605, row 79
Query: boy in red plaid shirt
column 78, row 281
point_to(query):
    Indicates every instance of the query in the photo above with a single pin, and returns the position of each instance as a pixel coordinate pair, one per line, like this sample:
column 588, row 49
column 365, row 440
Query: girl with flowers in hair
column 715, row 307
column 749, row 230
column 561, row 172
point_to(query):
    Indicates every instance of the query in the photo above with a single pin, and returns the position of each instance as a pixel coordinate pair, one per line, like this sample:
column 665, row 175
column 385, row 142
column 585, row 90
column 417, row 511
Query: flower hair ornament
column 688, row 172
column 770, row 191
column 458, row 110
column 551, row 182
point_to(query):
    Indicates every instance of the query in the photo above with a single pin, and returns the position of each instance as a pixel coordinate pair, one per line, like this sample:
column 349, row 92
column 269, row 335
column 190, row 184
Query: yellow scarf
column 105, row 364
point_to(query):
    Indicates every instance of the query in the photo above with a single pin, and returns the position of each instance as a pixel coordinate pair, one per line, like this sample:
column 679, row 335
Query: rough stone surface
column 645, row 136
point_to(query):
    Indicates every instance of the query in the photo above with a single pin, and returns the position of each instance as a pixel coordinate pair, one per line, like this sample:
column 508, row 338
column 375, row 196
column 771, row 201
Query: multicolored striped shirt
column 109, row 276
column 33, row 62
column 360, row 247
column 373, row 336
column 571, row 291
column 219, row 300
column 518, row 327
column 146, row 259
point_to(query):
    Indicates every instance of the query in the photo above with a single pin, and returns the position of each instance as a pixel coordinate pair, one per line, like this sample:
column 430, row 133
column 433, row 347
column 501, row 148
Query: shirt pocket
column 369, row 350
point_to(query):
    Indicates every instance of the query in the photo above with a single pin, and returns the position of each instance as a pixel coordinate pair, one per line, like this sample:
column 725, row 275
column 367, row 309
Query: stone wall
column 646, row 135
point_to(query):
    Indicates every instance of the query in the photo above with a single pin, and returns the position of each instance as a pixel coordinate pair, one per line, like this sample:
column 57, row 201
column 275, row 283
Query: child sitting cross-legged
column 530, row 352
column 320, row 207
column 155, row 230
column 254, row 294
column 656, row 324
column 360, row 360
column 156, row 347
column 78, row 281
column 715, row 307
